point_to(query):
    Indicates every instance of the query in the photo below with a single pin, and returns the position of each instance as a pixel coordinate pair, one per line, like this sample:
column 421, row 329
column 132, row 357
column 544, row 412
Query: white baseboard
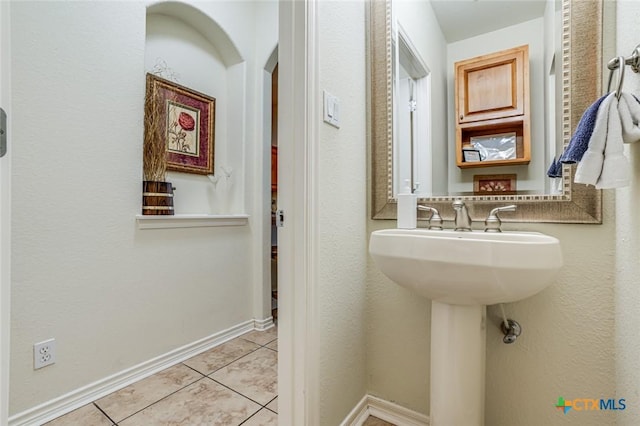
column 84, row 395
column 359, row 414
column 388, row 411
column 264, row 324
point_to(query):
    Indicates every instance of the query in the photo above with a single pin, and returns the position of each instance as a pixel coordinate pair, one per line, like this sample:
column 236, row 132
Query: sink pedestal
column 457, row 364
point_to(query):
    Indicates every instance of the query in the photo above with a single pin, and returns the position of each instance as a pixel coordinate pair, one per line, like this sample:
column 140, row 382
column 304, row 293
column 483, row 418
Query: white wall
column 531, row 176
column 342, row 203
column 113, row 296
column 627, row 233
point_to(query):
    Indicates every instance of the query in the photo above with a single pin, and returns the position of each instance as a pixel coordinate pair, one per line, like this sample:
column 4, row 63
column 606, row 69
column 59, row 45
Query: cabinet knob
column 461, row 116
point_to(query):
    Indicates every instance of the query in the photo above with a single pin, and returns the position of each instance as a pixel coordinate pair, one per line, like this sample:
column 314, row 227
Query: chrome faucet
column 435, row 220
column 462, row 219
column 493, row 222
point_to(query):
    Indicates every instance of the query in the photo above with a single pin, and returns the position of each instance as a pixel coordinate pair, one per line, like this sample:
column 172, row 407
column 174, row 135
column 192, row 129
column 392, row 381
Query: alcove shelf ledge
column 191, row 221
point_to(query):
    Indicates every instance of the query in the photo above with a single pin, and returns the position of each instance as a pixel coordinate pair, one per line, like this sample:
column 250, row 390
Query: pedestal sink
column 462, row 272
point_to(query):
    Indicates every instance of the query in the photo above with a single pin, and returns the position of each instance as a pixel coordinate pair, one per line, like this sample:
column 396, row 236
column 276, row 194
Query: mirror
column 580, row 85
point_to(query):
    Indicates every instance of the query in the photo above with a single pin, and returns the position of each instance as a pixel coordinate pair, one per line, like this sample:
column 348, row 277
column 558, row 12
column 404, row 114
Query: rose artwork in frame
column 494, row 184
column 189, row 121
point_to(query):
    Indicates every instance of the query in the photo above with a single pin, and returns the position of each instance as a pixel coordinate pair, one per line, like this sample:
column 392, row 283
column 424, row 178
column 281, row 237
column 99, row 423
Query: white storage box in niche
column 500, row 146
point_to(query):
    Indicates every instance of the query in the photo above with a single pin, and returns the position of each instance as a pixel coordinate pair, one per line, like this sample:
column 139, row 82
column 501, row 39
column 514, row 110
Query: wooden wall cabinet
column 492, row 97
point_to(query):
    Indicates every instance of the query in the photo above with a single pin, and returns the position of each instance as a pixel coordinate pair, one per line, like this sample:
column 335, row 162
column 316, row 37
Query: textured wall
column 567, row 346
column 398, row 339
column 113, row 296
column 628, row 241
column 342, row 216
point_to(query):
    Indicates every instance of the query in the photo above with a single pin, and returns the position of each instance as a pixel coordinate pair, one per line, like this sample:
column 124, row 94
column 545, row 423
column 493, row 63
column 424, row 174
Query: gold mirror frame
column 581, row 86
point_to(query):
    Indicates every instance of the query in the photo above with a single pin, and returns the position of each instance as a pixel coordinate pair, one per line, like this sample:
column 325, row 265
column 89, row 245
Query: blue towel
column 580, row 139
column 555, row 170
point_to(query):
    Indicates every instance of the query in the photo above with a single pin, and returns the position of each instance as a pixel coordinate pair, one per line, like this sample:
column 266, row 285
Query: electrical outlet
column 44, row 353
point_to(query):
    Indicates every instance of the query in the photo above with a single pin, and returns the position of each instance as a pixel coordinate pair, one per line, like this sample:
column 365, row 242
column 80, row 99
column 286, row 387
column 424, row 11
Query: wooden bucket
column 157, row 198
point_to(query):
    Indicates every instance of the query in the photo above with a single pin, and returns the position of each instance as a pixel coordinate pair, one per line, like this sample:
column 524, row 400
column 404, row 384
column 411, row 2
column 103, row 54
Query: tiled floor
column 232, row 384
column 374, row 421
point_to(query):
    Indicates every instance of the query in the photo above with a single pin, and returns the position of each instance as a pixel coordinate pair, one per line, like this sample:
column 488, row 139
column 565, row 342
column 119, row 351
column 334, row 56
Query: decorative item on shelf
column 188, row 122
column 494, row 184
column 157, row 198
column 471, row 155
column 157, row 195
column 222, row 184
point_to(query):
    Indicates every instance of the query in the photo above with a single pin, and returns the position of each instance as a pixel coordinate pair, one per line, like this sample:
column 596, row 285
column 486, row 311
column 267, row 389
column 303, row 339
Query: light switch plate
column 331, row 109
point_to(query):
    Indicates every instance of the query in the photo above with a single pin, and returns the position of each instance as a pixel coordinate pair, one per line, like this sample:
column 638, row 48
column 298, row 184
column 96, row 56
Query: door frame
column 263, row 290
column 5, row 213
column 262, row 286
column 298, row 103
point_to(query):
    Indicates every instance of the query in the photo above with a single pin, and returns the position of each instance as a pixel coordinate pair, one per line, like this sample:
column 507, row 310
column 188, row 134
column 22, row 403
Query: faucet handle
column 493, row 222
column 435, row 220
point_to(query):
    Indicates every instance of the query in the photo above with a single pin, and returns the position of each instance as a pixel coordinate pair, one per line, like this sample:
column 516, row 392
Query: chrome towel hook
column 634, row 60
column 615, row 62
column 619, row 63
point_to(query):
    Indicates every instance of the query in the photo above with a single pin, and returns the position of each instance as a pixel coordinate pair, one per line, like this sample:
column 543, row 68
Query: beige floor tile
column 273, row 405
column 374, row 421
column 254, row 376
column 135, row 397
column 202, row 403
column 88, row 415
column 261, row 337
column 220, row 356
column 264, row 417
column 273, row 345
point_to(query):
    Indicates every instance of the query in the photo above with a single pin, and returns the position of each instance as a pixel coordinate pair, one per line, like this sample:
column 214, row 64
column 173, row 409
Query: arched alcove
column 205, row 25
column 193, row 50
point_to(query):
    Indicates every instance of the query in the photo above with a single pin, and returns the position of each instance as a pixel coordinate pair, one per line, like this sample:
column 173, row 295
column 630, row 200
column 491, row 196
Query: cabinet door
column 492, row 86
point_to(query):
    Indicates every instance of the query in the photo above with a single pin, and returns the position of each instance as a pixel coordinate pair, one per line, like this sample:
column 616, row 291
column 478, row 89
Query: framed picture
column 471, row 155
column 494, row 184
column 189, row 119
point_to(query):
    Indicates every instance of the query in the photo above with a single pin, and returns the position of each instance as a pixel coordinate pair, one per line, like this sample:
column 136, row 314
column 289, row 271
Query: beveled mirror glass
column 580, row 67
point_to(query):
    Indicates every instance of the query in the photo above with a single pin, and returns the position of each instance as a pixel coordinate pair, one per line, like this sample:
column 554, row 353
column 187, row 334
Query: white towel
column 629, row 109
column 604, row 164
column 590, row 166
column 615, row 168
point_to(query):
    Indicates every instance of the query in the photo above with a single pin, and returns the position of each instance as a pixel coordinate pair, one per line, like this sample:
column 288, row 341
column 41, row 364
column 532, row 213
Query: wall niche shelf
column 191, row 221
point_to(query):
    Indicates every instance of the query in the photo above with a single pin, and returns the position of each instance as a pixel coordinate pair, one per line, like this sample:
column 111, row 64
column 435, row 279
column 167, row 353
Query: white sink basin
column 467, row 268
